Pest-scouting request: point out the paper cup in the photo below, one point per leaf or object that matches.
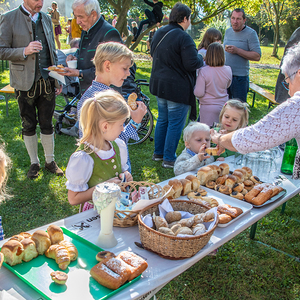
(72, 64)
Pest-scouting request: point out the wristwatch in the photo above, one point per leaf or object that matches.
(80, 74)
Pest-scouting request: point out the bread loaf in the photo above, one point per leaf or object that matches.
(167, 231)
(30, 251)
(177, 187)
(249, 172)
(239, 176)
(42, 241)
(169, 193)
(17, 237)
(132, 101)
(1, 259)
(205, 174)
(173, 216)
(55, 233)
(194, 180)
(13, 252)
(224, 169)
(186, 186)
(230, 181)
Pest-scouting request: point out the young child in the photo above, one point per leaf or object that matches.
(101, 156)
(196, 138)
(234, 115)
(5, 164)
(212, 83)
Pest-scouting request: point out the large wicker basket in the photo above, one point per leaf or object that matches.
(173, 247)
(130, 218)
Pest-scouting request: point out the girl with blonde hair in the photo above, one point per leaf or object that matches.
(101, 155)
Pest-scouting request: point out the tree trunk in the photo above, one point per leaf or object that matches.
(276, 37)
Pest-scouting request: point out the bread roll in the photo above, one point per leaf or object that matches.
(106, 277)
(60, 254)
(175, 227)
(138, 264)
(1, 259)
(173, 216)
(132, 101)
(209, 216)
(103, 255)
(199, 218)
(249, 172)
(167, 231)
(221, 180)
(59, 277)
(119, 267)
(230, 181)
(238, 187)
(42, 241)
(194, 180)
(71, 249)
(184, 230)
(177, 187)
(159, 221)
(13, 252)
(224, 218)
(239, 176)
(224, 169)
(30, 251)
(26, 235)
(55, 233)
(186, 186)
(17, 237)
(169, 193)
(205, 174)
(188, 222)
(199, 229)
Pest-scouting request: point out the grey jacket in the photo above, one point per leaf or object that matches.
(15, 34)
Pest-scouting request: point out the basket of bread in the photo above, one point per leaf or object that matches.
(126, 215)
(176, 229)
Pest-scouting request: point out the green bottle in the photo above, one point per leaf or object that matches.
(289, 157)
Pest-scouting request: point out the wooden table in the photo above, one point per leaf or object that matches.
(160, 271)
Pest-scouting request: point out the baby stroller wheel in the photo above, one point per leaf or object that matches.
(58, 127)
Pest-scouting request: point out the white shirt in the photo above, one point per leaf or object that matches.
(80, 167)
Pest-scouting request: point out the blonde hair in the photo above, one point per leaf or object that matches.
(192, 127)
(113, 52)
(5, 164)
(239, 105)
(107, 106)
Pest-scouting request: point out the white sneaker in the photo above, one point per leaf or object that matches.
(72, 131)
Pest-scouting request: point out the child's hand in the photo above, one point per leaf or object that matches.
(202, 154)
(221, 159)
(128, 176)
(138, 114)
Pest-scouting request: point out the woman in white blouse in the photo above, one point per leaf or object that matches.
(279, 126)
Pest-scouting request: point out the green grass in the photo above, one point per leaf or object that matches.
(242, 269)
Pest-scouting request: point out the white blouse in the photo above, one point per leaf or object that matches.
(80, 167)
(279, 126)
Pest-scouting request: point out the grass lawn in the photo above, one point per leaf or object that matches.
(242, 269)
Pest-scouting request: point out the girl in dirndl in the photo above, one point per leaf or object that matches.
(55, 20)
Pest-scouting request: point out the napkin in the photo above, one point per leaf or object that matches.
(4, 295)
(57, 76)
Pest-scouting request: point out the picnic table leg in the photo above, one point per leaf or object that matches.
(253, 99)
(253, 230)
(283, 208)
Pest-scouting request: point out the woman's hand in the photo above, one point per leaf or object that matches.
(215, 137)
(128, 176)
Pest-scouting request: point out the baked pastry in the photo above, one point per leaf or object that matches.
(248, 182)
(216, 171)
(119, 267)
(255, 179)
(132, 101)
(159, 221)
(249, 188)
(244, 172)
(184, 230)
(106, 277)
(1, 259)
(244, 192)
(224, 189)
(194, 195)
(276, 190)
(167, 231)
(71, 249)
(254, 192)
(249, 172)
(13, 252)
(173, 216)
(30, 251)
(177, 187)
(230, 181)
(60, 254)
(171, 193)
(199, 218)
(224, 218)
(221, 180)
(224, 169)
(199, 229)
(239, 176)
(104, 255)
(175, 227)
(59, 277)
(202, 202)
(17, 237)
(205, 174)
(238, 187)
(186, 186)
(228, 210)
(237, 195)
(188, 222)
(209, 216)
(138, 265)
(263, 196)
(213, 151)
(42, 241)
(55, 233)
(26, 235)
(202, 192)
(212, 201)
(210, 184)
(194, 180)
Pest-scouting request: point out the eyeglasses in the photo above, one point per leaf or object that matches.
(285, 84)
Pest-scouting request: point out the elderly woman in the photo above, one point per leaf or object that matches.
(173, 77)
(279, 126)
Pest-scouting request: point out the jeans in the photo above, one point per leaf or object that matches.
(150, 20)
(239, 88)
(170, 123)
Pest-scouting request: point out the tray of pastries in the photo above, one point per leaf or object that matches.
(53, 262)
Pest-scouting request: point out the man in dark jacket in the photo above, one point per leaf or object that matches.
(153, 17)
(173, 77)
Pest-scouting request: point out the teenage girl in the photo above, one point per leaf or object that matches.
(211, 35)
(234, 115)
(212, 83)
(101, 156)
(55, 20)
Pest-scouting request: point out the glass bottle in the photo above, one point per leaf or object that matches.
(289, 157)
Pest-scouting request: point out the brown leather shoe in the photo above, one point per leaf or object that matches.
(33, 171)
(53, 168)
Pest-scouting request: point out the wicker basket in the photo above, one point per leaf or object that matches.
(131, 217)
(173, 247)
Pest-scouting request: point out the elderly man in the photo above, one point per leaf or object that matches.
(27, 41)
(241, 45)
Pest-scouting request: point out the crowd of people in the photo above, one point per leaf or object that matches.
(218, 75)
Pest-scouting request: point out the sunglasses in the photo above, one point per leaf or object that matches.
(285, 84)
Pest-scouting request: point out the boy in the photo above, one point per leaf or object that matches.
(196, 138)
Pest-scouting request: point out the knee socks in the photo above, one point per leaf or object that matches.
(31, 144)
(47, 141)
